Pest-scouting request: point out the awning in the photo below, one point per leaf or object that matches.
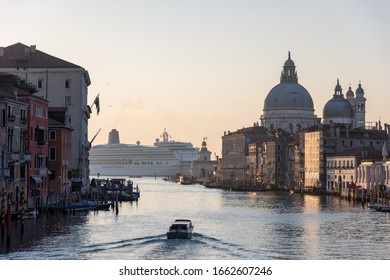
(37, 179)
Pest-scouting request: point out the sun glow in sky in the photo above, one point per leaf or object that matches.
(199, 68)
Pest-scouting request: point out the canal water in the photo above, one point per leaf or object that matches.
(228, 226)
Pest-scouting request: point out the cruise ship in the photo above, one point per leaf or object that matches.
(165, 158)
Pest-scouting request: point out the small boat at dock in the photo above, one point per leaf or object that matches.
(180, 229)
(83, 205)
(103, 205)
(380, 207)
(29, 214)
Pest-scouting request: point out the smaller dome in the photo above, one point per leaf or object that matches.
(349, 93)
(338, 107)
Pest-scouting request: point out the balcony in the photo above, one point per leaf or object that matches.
(11, 118)
(41, 172)
(19, 157)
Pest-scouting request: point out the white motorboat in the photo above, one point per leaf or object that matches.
(180, 229)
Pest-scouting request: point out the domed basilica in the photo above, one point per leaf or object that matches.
(288, 105)
(350, 110)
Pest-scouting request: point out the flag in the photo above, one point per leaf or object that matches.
(97, 104)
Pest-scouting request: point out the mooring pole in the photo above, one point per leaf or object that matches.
(2, 211)
(22, 214)
(9, 223)
(116, 202)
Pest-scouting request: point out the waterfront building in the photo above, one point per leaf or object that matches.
(15, 158)
(37, 147)
(60, 152)
(274, 159)
(253, 160)
(203, 169)
(370, 174)
(235, 165)
(288, 105)
(386, 165)
(63, 84)
(342, 169)
(327, 140)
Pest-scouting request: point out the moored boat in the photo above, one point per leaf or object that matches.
(82, 205)
(380, 207)
(29, 214)
(103, 205)
(180, 229)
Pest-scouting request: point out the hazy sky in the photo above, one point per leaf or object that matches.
(199, 68)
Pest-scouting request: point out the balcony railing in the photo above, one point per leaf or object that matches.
(42, 172)
(11, 118)
(19, 157)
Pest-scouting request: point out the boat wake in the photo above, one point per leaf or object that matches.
(156, 247)
(152, 247)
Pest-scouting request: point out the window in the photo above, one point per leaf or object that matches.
(52, 153)
(22, 172)
(10, 142)
(39, 111)
(68, 83)
(52, 135)
(68, 100)
(40, 135)
(40, 83)
(22, 140)
(52, 174)
(10, 113)
(39, 160)
(23, 117)
(3, 116)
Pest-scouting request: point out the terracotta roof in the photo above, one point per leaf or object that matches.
(22, 56)
(367, 152)
(8, 91)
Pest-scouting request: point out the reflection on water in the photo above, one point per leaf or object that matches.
(228, 225)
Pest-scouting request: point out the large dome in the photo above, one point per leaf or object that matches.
(288, 96)
(288, 105)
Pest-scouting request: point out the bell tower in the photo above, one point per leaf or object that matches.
(360, 107)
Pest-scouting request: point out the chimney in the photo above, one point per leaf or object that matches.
(1, 51)
(113, 137)
(33, 48)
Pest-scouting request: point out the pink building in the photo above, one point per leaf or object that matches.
(37, 147)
